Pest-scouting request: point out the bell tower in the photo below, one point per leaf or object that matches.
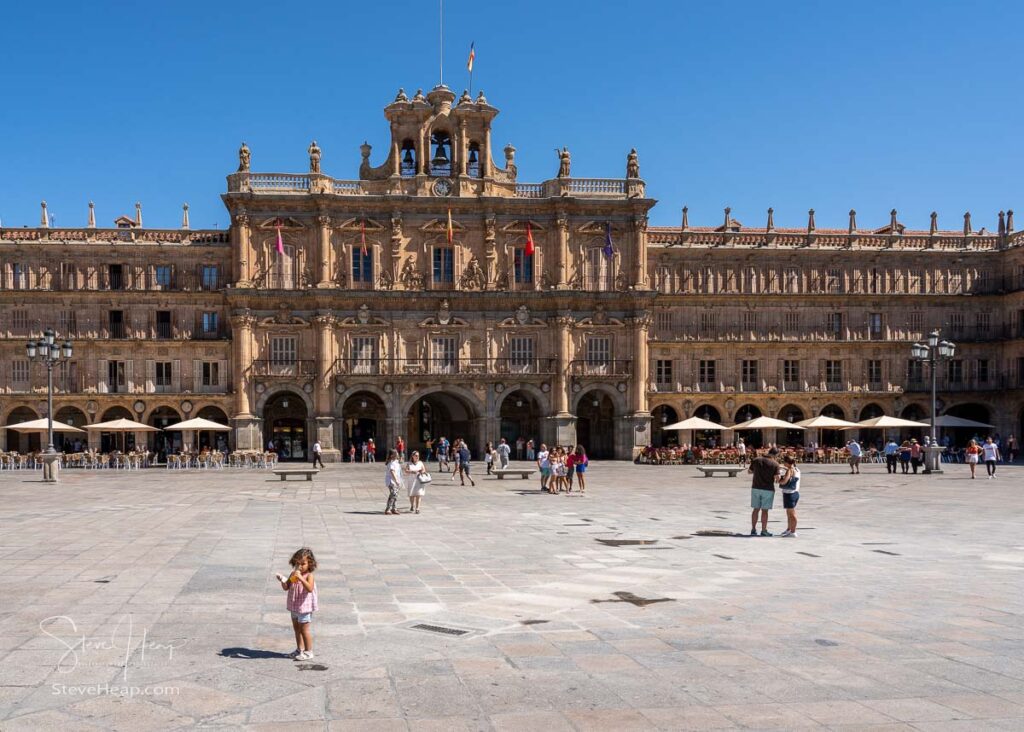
(441, 147)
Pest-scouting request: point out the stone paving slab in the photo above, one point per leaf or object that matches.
(146, 601)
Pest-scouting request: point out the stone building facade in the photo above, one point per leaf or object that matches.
(406, 303)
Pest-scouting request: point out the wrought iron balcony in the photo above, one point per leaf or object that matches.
(297, 369)
(599, 368)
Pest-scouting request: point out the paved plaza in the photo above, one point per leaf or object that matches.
(146, 601)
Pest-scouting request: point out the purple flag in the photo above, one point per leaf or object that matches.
(609, 248)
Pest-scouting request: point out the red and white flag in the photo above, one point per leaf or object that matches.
(529, 240)
(280, 241)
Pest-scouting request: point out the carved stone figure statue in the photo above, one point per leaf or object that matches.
(473, 277)
(243, 158)
(632, 165)
(400, 97)
(314, 157)
(563, 162)
(410, 278)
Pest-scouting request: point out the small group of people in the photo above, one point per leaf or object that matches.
(767, 473)
(413, 476)
(906, 455)
(559, 466)
(988, 451)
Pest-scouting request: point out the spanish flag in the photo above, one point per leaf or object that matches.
(280, 243)
(472, 55)
(451, 231)
(529, 240)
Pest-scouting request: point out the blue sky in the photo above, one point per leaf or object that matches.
(870, 105)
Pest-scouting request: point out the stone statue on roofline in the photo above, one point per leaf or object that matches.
(564, 160)
(632, 164)
(314, 157)
(244, 155)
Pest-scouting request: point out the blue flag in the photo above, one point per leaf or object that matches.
(609, 248)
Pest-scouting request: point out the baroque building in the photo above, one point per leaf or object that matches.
(436, 295)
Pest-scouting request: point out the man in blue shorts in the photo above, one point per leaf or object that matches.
(762, 489)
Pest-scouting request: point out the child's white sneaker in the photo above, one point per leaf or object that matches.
(295, 654)
(304, 656)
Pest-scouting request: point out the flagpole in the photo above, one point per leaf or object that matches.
(441, 44)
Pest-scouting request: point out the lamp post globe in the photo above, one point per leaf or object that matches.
(49, 352)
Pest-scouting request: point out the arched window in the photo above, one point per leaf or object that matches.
(283, 271)
(598, 273)
(408, 160)
(441, 157)
(362, 265)
(473, 163)
(444, 265)
(523, 266)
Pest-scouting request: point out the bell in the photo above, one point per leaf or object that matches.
(440, 158)
(407, 159)
(472, 156)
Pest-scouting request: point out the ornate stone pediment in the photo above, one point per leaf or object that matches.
(440, 226)
(443, 317)
(360, 224)
(521, 318)
(285, 222)
(597, 227)
(519, 226)
(599, 317)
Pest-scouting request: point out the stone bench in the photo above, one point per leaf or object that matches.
(285, 472)
(710, 470)
(523, 473)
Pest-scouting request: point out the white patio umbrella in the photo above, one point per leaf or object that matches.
(122, 425)
(693, 424)
(822, 422)
(197, 424)
(948, 420)
(767, 423)
(40, 425)
(885, 422)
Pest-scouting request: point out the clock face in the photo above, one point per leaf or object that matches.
(442, 187)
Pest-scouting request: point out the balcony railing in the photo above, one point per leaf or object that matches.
(590, 367)
(117, 330)
(539, 366)
(302, 368)
(995, 382)
(452, 366)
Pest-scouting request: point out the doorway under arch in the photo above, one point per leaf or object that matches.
(662, 415)
(704, 437)
(110, 441)
(210, 438)
(285, 423)
(595, 424)
(65, 441)
(791, 413)
(23, 442)
(162, 443)
(869, 437)
(833, 438)
(441, 414)
(364, 417)
(959, 436)
(520, 416)
(915, 413)
(752, 438)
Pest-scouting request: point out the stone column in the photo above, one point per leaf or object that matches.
(322, 395)
(564, 421)
(243, 257)
(562, 252)
(324, 278)
(639, 420)
(485, 154)
(247, 428)
(640, 252)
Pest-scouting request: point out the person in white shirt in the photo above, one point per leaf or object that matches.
(741, 449)
(544, 466)
(990, 452)
(392, 480)
(318, 454)
(414, 485)
(855, 454)
(504, 452)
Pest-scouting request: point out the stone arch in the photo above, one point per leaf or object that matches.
(275, 389)
(521, 411)
(22, 442)
(978, 411)
(363, 422)
(353, 389)
(465, 395)
(834, 411)
(74, 416)
(618, 399)
(663, 414)
(148, 414)
(442, 410)
(541, 398)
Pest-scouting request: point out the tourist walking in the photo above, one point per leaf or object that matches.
(416, 479)
(400, 446)
(371, 451)
(789, 484)
(317, 454)
(741, 451)
(463, 459)
(580, 463)
(504, 451)
(488, 457)
(990, 453)
(915, 455)
(892, 450)
(530, 450)
(762, 489)
(1011, 449)
(392, 480)
(442, 454)
(854, 448)
(302, 601)
(544, 466)
(457, 472)
(520, 444)
(904, 456)
(972, 452)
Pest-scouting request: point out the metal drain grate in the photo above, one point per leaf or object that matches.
(439, 629)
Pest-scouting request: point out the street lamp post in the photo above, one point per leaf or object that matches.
(50, 353)
(932, 353)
